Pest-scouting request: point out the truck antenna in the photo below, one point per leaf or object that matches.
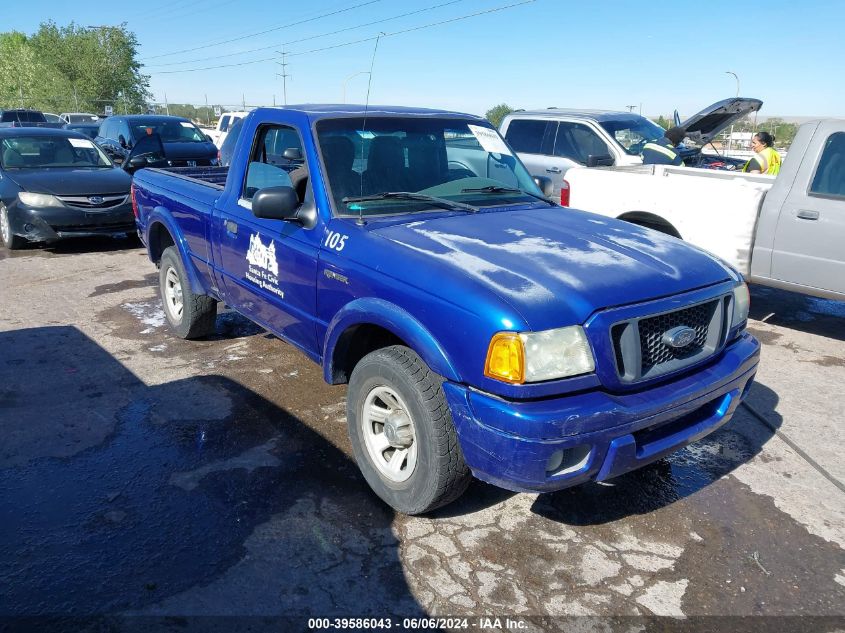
(360, 220)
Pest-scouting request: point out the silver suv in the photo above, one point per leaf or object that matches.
(551, 141)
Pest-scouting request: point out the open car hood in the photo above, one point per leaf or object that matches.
(705, 125)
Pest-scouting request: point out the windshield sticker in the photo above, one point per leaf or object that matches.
(489, 139)
(81, 142)
(190, 126)
(263, 269)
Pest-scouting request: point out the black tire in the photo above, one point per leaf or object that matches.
(441, 474)
(13, 242)
(199, 312)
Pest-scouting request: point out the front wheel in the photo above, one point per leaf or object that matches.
(402, 432)
(191, 315)
(13, 242)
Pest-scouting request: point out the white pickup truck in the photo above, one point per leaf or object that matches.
(224, 124)
(786, 231)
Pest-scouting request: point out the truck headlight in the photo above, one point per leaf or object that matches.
(38, 199)
(742, 303)
(518, 357)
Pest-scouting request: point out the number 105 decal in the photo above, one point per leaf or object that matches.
(335, 241)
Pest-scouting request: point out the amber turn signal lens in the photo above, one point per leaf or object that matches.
(506, 358)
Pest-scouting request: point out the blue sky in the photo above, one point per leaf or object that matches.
(610, 54)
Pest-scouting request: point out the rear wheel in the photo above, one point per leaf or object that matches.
(402, 432)
(13, 242)
(191, 315)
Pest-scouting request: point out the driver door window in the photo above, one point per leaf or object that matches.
(268, 166)
(577, 141)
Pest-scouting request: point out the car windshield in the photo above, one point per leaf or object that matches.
(81, 117)
(26, 152)
(170, 130)
(88, 130)
(463, 161)
(633, 134)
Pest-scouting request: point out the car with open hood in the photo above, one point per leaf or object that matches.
(552, 141)
(186, 144)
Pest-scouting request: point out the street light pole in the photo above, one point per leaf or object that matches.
(363, 72)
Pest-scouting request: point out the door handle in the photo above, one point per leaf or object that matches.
(808, 214)
(553, 170)
(231, 227)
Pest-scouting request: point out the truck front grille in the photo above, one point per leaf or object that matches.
(642, 347)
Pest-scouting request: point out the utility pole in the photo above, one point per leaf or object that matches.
(166, 106)
(630, 108)
(207, 118)
(20, 86)
(284, 74)
(243, 101)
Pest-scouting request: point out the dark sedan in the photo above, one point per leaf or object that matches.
(56, 184)
(185, 144)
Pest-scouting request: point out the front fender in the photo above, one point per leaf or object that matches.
(160, 215)
(372, 311)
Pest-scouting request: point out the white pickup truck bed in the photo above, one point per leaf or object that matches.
(719, 208)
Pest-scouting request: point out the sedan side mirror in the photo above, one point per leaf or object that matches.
(275, 203)
(135, 163)
(292, 153)
(545, 185)
(600, 160)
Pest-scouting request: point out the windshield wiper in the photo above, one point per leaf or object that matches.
(500, 189)
(407, 195)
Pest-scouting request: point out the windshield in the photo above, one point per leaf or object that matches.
(23, 116)
(437, 157)
(81, 117)
(26, 152)
(170, 131)
(632, 135)
(88, 130)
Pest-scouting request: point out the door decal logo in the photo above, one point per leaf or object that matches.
(263, 269)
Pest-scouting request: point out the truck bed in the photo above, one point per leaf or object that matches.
(210, 176)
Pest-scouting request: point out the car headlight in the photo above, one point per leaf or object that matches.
(518, 357)
(38, 199)
(742, 303)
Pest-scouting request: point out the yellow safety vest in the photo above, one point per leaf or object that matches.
(671, 155)
(769, 159)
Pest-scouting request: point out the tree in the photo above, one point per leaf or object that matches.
(663, 122)
(497, 113)
(72, 68)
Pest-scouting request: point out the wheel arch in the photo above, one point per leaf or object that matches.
(368, 324)
(163, 232)
(651, 221)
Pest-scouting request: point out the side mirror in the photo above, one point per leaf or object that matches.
(275, 203)
(600, 160)
(135, 163)
(545, 185)
(208, 138)
(292, 153)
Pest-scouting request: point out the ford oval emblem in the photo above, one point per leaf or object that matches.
(95, 199)
(679, 337)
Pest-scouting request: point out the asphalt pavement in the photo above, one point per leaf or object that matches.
(144, 475)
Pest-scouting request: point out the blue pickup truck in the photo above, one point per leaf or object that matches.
(482, 330)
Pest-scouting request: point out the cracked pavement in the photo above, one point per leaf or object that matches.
(143, 474)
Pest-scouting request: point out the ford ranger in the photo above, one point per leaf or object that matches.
(482, 330)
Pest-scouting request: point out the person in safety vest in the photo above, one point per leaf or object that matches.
(663, 151)
(766, 160)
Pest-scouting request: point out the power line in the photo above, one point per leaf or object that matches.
(367, 39)
(314, 37)
(276, 28)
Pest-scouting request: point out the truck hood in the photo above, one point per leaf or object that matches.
(705, 125)
(557, 266)
(72, 182)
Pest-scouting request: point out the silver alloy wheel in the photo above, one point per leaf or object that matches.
(5, 229)
(389, 434)
(173, 294)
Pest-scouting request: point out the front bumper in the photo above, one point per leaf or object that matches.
(54, 223)
(549, 444)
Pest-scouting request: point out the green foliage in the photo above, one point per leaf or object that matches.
(497, 113)
(663, 122)
(72, 68)
(199, 114)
